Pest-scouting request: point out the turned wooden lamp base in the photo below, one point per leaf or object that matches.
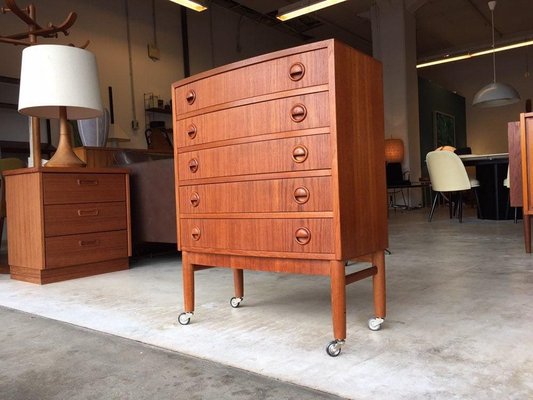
(64, 155)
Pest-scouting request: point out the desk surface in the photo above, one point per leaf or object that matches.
(484, 157)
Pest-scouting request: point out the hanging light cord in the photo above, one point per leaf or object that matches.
(493, 46)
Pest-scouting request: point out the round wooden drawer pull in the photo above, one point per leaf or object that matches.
(195, 199)
(196, 233)
(191, 131)
(301, 195)
(302, 236)
(190, 96)
(298, 112)
(193, 165)
(297, 71)
(300, 153)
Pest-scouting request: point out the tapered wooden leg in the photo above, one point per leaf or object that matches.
(188, 283)
(378, 282)
(338, 299)
(238, 282)
(527, 232)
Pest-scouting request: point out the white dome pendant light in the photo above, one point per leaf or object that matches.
(495, 94)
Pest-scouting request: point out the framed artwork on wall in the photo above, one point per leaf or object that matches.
(443, 129)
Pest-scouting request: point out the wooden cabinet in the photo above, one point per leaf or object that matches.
(279, 166)
(66, 223)
(526, 153)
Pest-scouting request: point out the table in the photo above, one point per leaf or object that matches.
(491, 170)
(392, 190)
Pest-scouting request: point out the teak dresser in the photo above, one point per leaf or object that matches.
(279, 163)
(66, 223)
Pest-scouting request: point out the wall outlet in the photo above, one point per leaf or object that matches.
(153, 52)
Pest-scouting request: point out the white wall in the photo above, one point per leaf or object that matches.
(103, 22)
(486, 128)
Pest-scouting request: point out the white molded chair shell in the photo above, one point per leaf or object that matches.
(507, 181)
(447, 172)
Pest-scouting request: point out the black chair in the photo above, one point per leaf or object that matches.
(396, 182)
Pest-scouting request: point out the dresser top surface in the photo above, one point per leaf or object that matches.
(71, 170)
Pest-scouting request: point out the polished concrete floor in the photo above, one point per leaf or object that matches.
(459, 323)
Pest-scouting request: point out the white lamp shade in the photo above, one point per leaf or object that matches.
(52, 76)
(495, 94)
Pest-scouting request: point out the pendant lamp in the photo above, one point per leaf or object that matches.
(495, 94)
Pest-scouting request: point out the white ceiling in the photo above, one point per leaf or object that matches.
(442, 26)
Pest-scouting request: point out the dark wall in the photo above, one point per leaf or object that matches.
(434, 99)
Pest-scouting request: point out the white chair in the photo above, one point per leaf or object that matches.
(448, 175)
(507, 184)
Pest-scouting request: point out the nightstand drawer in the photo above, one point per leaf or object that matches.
(275, 195)
(286, 73)
(62, 251)
(283, 115)
(269, 156)
(68, 219)
(68, 188)
(255, 234)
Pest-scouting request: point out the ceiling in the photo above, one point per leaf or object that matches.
(442, 26)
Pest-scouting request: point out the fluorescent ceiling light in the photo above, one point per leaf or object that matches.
(304, 7)
(476, 54)
(193, 5)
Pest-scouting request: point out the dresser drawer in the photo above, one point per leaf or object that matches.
(62, 251)
(289, 114)
(68, 219)
(274, 235)
(286, 73)
(290, 154)
(67, 188)
(275, 195)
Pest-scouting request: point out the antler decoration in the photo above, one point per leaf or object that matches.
(27, 15)
(28, 38)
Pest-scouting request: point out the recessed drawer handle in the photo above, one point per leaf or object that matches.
(190, 96)
(196, 233)
(298, 112)
(297, 71)
(195, 199)
(93, 212)
(193, 165)
(301, 195)
(86, 243)
(302, 236)
(300, 153)
(87, 182)
(191, 131)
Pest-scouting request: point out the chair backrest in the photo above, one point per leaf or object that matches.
(446, 172)
(395, 175)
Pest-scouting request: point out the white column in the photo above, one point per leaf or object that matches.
(394, 44)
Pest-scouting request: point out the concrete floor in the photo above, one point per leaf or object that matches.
(459, 324)
(45, 359)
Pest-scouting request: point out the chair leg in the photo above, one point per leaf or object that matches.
(433, 207)
(515, 215)
(460, 206)
(479, 214)
(450, 205)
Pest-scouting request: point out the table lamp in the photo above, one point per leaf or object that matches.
(60, 82)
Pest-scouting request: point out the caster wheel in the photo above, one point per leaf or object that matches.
(235, 301)
(334, 348)
(184, 318)
(374, 324)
